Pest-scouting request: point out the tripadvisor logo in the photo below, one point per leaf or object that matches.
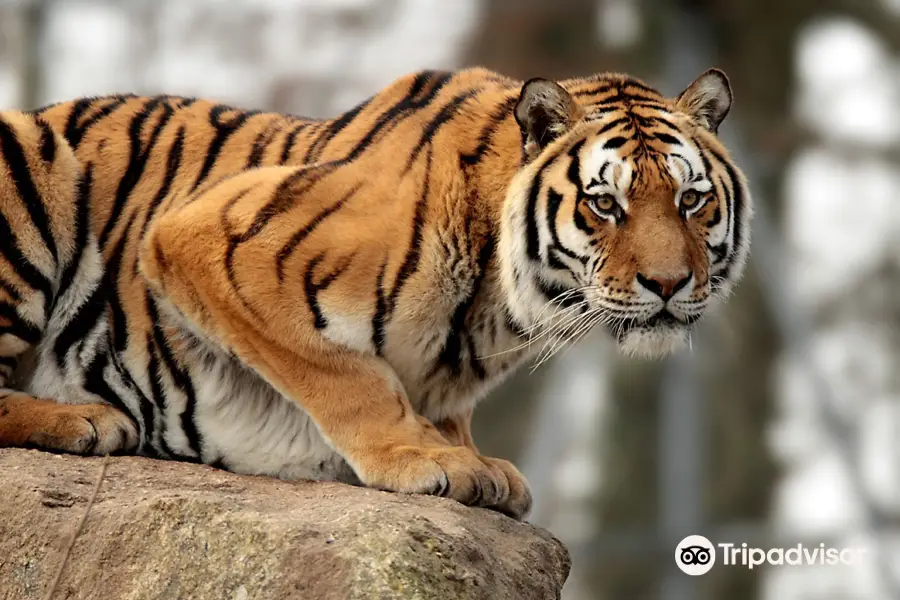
(696, 555)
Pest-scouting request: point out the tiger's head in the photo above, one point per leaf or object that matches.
(628, 212)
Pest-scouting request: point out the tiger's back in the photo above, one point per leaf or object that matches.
(139, 159)
(205, 283)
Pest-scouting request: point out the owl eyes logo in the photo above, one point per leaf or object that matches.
(695, 555)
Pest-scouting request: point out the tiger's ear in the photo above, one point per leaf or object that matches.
(544, 112)
(708, 99)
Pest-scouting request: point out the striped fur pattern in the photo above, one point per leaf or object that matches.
(329, 299)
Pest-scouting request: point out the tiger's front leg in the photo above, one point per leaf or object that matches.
(458, 431)
(354, 398)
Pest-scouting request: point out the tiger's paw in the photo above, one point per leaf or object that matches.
(450, 471)
(518, 502)
(86, 429)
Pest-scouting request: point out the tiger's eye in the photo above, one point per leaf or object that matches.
(690, 199)
(604, 203)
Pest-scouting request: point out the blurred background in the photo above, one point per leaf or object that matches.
(780, 426)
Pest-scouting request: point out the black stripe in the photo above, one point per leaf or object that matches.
(112, 272)
(156, 394)
(485, 138)
(617, 101)
(43, 109)
(601, 176)
(283, 199)
(738, 199)
(84, 321)
(651, 122)
(172, 163)
(719, 183)
(380, 315)
(286, 196)
(613, 124)
(445, 114)
(233, 240)
(602, 88)
(404, 108)
(10, 250)
(715, 219)
(82, 215)
(532, 236)
(554, 199)
(76, 131)
(312, 289)
(333, 129)
(451, 352)
(393, 117)
(581, 223)
(181, 379)
(288, 249)
(476, 364)
(686, 162)
(224, 130)
(615, 142)
(96, 384)
(148, 425)
(667, 139)
(289, 141)
(137, 161)
(18, 327)
(8, 289)
(154, 370)
(48, 141)
(532, 239)
(573, 174)
(260, 145)
(28, 192)
(411, 260)
(719, 251)
(707, 167)
(641, 86)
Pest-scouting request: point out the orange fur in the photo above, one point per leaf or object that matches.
(383, 270)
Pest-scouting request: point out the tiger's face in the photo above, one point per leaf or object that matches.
(628, 214)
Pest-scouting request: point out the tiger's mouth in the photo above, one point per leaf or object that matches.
(664, 318)
(655, 337)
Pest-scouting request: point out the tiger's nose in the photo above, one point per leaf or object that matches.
(664, 287)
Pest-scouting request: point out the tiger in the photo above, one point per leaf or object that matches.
(329, 299)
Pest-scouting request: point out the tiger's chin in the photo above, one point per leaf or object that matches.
(653, 340)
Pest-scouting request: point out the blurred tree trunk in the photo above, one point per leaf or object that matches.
(34, 17)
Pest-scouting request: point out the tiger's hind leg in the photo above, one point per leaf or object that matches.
(42, 240)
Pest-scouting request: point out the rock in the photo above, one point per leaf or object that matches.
(167, 530)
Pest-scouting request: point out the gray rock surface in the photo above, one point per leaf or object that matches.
(166, 530)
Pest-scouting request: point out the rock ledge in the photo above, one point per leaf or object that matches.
(166, 530)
